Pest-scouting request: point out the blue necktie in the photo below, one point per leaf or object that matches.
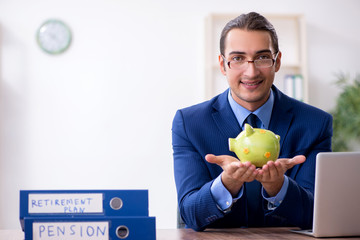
(252, 189)
(252, 120)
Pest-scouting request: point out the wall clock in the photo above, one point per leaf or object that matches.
(54, 36)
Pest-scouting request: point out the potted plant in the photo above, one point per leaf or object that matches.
(346, 115)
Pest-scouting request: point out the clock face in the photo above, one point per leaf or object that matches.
(54, 36)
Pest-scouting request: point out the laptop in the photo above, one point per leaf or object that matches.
(337, 195)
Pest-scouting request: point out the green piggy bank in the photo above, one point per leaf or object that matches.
(255, 145)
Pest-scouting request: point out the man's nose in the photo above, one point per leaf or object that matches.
(251, 69)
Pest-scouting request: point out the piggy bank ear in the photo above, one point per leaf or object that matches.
(248, 130)
(278, 137)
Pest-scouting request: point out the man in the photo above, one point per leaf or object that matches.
(215, 189)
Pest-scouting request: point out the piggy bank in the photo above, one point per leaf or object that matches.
(255, 145)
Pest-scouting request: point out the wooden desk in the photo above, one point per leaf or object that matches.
(211, 234)
(233, 234)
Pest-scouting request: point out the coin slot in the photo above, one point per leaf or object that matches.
(122, 232)
(116, 203)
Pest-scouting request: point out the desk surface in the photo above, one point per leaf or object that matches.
(232, 234)
(211, 234)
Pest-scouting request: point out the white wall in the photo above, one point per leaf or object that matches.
(99, 116)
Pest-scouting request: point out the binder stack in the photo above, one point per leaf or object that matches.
(86, 214)
(293, 86)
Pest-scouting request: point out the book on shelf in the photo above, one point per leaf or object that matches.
(293, 86)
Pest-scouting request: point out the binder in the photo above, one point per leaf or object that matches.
(293, 86)
(289, 86)
(298, 79)
(80, 203)
(97, 228)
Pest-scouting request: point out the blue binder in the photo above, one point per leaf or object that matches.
(80, 203)
(99, 228)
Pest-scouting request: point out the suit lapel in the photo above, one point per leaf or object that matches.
(281, 116)
(224, 116)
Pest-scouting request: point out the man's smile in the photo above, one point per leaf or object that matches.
(252, 84)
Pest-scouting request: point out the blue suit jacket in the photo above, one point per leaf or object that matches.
(206, 127)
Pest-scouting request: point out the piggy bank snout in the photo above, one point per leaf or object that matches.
(232, 144)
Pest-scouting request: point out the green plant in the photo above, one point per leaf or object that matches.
(346, 115)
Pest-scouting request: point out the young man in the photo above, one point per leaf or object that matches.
(215, 189)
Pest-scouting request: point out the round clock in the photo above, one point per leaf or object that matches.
(54, 36)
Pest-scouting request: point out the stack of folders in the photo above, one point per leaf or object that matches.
(86, 214)
(293, 86)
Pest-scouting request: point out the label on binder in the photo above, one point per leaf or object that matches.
(66, 203)
(70, 230)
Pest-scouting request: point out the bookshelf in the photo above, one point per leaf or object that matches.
(291, 78)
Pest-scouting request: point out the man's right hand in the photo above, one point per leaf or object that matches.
(235, 173)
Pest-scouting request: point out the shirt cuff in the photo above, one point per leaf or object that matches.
(274, 202)
(222, 196)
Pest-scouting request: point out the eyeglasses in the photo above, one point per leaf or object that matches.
(263, 61)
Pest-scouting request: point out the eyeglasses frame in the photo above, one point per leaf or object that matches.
(253, 61)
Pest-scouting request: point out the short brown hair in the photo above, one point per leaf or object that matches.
(252, 21)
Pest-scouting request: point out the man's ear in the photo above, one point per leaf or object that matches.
(222, 65)
(278, 62)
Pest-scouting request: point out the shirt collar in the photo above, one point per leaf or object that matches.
(263, 112)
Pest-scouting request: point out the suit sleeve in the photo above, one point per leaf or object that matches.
(196, 204)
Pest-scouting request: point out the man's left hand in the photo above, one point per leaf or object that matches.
(272, 173)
